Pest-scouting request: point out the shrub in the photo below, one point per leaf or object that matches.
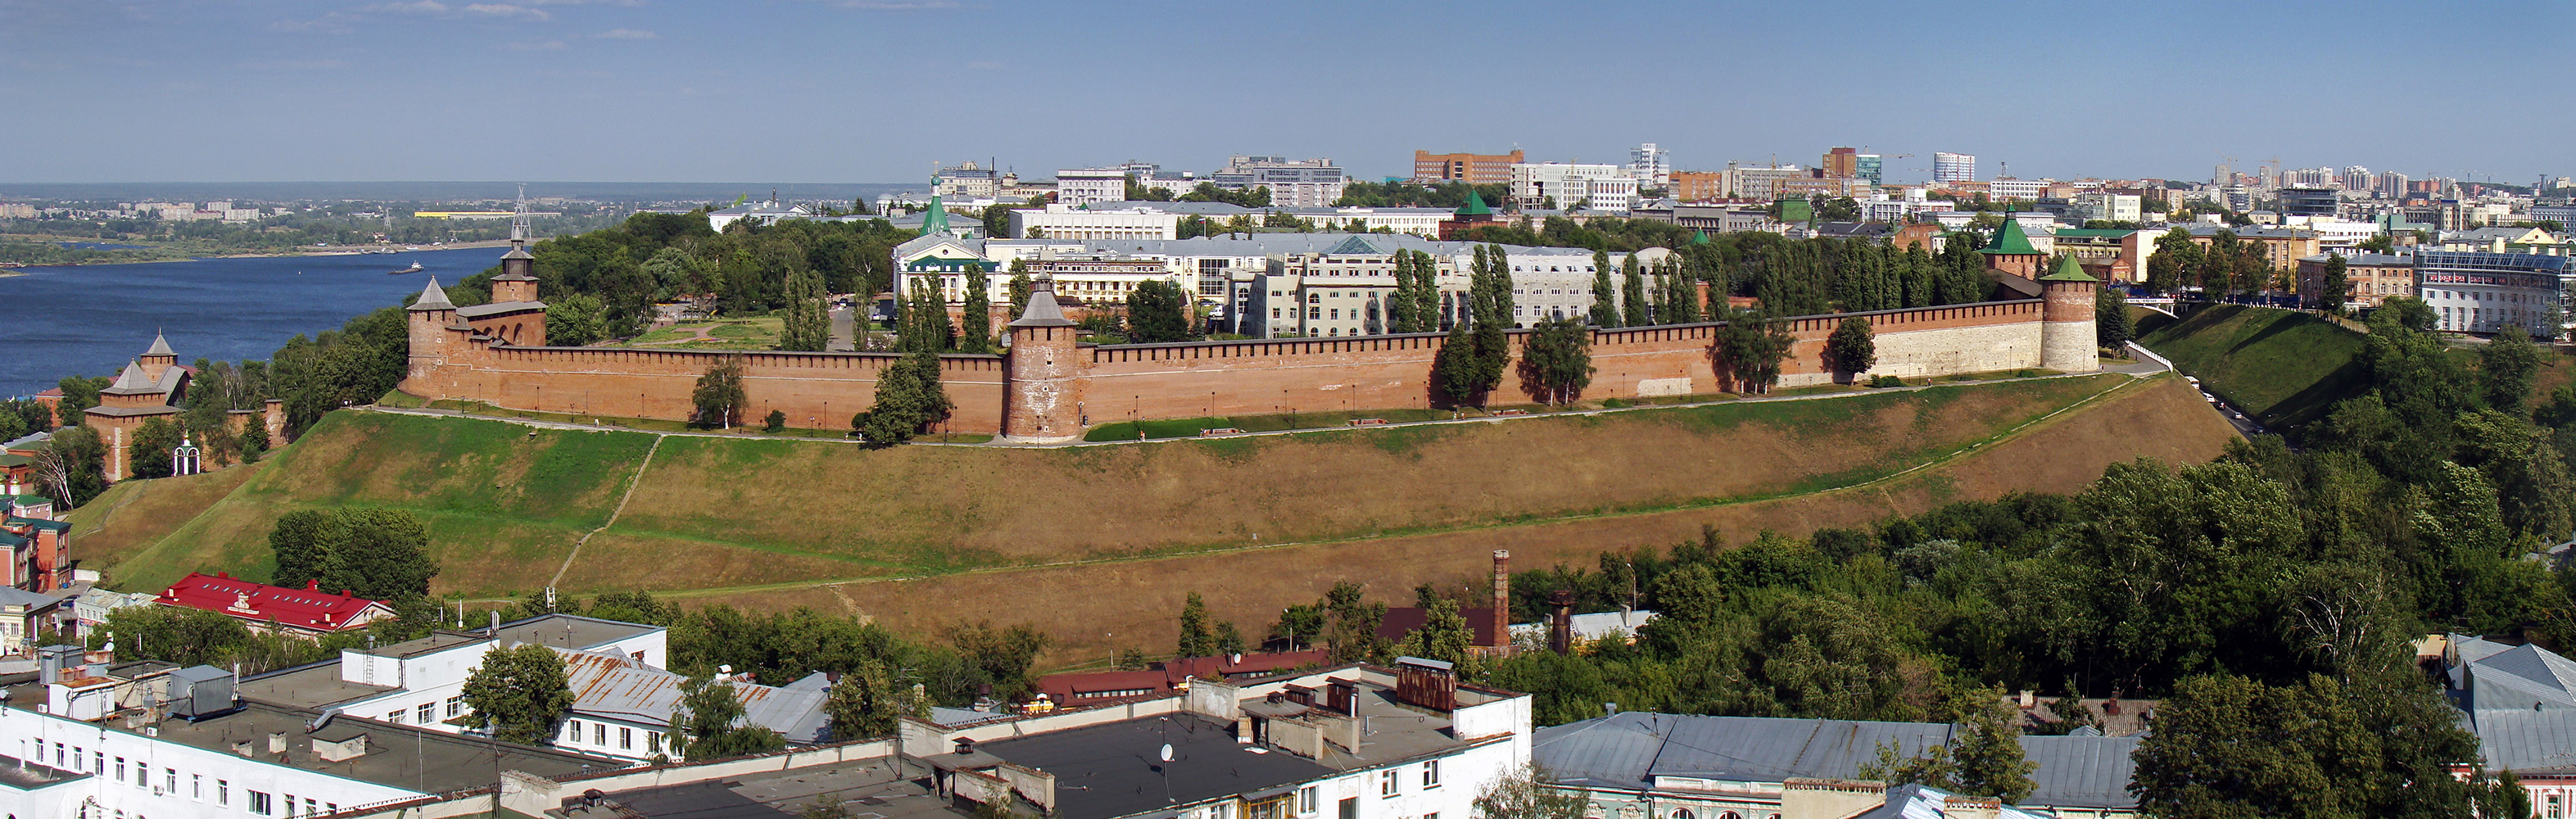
(775, 423)
(1886, 381)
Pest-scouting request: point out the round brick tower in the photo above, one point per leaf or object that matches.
(2066, 339)
(1042, 396)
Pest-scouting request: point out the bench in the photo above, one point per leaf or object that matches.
(1368, 422)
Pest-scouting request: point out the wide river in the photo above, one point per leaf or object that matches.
(90, 320)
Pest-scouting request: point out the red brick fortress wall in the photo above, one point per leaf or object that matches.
(815, 390)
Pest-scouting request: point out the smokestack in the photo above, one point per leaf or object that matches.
(1560, 633)
(495, 630)
(1502, 597)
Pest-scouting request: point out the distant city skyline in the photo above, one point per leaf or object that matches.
(880, 91)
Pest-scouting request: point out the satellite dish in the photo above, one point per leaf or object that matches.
(1167, 752)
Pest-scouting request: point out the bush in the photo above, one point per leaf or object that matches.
(1886, 381)
(775, 423)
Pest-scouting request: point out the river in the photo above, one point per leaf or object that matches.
(92, 319)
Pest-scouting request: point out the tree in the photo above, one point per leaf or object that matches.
(1605, 300)
(924, 323)
(302, 543)
(518, 693)
(978, 332)
(1529, 793)
(2175, 261)
(2505, 368)
(718, 397)
(1157, 312)
(574, 320)
(867, 700)
(1020, 286)
(1850, 349)
(1557, 363)
(1003, 655)
(2337, 286)
(909, 398)
(1752, 347)
(997, 219)
(1989, 755)
(149, 456)
(1632, 293)
(1350, 631)
(71, 467)
(382, 555)
(807, 327)
(2111, 324)
(708, 724)
(2227, 746)
(1196, 641)
(1229, 640)
(1444, 634)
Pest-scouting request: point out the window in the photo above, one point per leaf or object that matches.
(170, 781)
(395, 717)
(223, 792)
(599, 733)
(653, 741)
(287, 803)
(97, 762)
(1681, 813)
(1387, 784)
(1431, 774)
(120, 769)
(259, 805)
(309, 806)
(572, 731)
(427, 713)
(625, 738)
(1306, 799)
(196, 786)
(455, 707)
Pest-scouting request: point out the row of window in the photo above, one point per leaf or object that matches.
(625, 736)
(139, 774)
(428, 712)
(1390, 782)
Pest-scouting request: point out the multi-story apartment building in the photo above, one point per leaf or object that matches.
(1650, 165)
(1474, 169)
(2115, 207)
(1697, 186)
(1083, 186)
(1305, 183)
(2388, 185)
(2283, 247)
(1759, 183)
(967, 181)
(1839, 162)
(2374, 277)
(2008, 189)
(1948, 167)
(1599, 187)
(2473, 292)
(1064, 221)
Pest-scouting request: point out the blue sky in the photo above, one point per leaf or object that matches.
(878, 90)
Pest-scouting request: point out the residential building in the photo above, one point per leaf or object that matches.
(2517, 699)
(2001, 190)
(2373, 277)
(1078, 689)
(1417, 221)
(308, 612)
(2112, 255)
(1681, 765)
(1651, 166)
(2473, 292)
(2505, 240)
(2283, 247)
(1306, 183)
(1840, 162)
(1598, 187)
(1079, 187)
(1064, 221)
(2388, 185)
(1474, 169)
(1948, 167)
(90, 737)
(1698, 186)
(1806, 186)
(38, 554)
(2564, 215)
(2114, 207)
(1758, 183)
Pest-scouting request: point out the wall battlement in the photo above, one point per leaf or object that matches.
(1049, 387)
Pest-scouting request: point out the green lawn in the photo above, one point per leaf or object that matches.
(2282, 367)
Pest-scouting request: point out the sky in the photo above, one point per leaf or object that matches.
(881, 90)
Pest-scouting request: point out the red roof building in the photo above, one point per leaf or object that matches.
(1094, 687)
(308, 611)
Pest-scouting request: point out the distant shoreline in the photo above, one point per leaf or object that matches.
(344, 250)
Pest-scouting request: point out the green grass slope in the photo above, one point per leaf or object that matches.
(2282, 367)
(506, 504)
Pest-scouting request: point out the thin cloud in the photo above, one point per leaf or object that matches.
(421, 7)
(507, 10)
(538, 45)
(899, 5)
(628, 34)
(332, 23)
(294, 65)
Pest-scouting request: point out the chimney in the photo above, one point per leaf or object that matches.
(277, 742)
(965, 745)
(1560, 633)
(1502, 597)
(495, 630)
(313, 585)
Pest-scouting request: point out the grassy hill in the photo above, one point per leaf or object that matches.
(2282, 367)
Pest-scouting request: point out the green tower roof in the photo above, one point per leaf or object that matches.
(936, 219)
(2068, 270)
(1699, 237)
(2010, 241)
(1475, 206)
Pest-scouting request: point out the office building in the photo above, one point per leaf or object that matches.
(1474, 169)
(966, 181)
(1948, 167)
(1064, 221)
(1759, 183)
(1697, 186)
(2309, 200)
(1841, 162)
(1870, 167)
(1084, 186)
(1598, 187)
(1305, 183)
(2473, 292)
(1650, 165)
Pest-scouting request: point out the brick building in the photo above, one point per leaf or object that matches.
(2374, 277)
(1473, 169)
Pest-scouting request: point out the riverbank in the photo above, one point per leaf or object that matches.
(185, 254)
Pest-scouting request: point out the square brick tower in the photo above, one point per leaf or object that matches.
(1046, 370)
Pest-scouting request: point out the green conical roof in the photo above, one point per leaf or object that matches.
(1475, 206)
(936, 220)
(1699, 237)
(2068, 270)
(2010, 241)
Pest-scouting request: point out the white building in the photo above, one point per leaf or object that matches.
(2473, 292)
(1598, 187)
(1758, 183)
(1305, 183)
(2003, 189)
(1650, 165)
(1948, 167)
(1084, 186)
(1063, 221)
(2117, 207)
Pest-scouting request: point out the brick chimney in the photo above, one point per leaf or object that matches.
(1502, 597)
(1560, 633)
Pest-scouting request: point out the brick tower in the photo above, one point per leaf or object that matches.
(2010, 251)
(1042, 398)
(518, 281)
(2066, 338)
(159, 359)
(428, 320)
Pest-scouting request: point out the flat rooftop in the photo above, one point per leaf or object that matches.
(312, 686)
(20, 774)
(569, 631)
(397, 756)
(1396, 731)
(436, 641)
(1114, 769)
(871, 789)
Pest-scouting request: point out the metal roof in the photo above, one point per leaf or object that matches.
(432, 298)
(1628, 750)
(621, 687)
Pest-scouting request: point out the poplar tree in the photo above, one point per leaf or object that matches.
(1196, 640)
(1426, 293)
(807, 327)
(1605, 306)
(1632, 293)
(979, 312)
(1558, 363)
(1020, 286)
(1919, 288)
(925, 318)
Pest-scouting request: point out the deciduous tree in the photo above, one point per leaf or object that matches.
(1557, 362)
(1850, 348)
(518, 693)
(708, 724)
(718, 397)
